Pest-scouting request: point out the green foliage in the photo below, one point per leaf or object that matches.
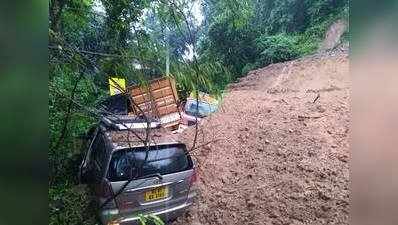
(277, 48)
(273, 30)
(150, 219)
(70, 204)
(280, 16)
(236, 13)
(232, 47)
(63, 156)
(249, 67)
(212, 78)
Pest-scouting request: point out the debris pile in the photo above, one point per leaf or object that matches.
(277, 157)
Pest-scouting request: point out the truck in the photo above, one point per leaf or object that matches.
(158, 100)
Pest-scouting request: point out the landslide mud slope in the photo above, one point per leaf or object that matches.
(276, 156)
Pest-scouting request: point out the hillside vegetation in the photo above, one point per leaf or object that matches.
(249, 35)
(89, 41)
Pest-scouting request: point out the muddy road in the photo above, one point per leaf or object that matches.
(279, 150)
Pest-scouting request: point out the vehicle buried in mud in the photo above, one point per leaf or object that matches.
(194, 109)
(130, 178)
(167, 108)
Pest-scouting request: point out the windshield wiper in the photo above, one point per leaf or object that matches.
(158, 175)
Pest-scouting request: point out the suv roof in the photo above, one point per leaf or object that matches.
(120, 139)
(125, 122)
(131, 131)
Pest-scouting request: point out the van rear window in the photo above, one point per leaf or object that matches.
(164, 159)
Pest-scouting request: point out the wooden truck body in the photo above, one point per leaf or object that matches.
(158, 100)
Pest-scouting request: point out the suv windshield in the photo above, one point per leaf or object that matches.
(164, 159)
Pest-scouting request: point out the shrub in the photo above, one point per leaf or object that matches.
(249, 67)
(307, 44)
(277, 48)
(70, 204)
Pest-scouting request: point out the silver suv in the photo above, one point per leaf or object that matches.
(130, 178)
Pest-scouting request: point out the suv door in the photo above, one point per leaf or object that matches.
(98, 163)
(85, 173)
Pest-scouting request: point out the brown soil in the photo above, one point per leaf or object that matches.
(332, 37)
(275, 156)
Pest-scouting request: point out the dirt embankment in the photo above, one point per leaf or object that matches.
(333, 35)
(282, 151)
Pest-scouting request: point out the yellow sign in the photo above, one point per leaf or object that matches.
(117, 85)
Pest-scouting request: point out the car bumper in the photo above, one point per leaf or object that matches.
(166, 214)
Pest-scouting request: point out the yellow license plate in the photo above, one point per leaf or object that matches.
(156, 193)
